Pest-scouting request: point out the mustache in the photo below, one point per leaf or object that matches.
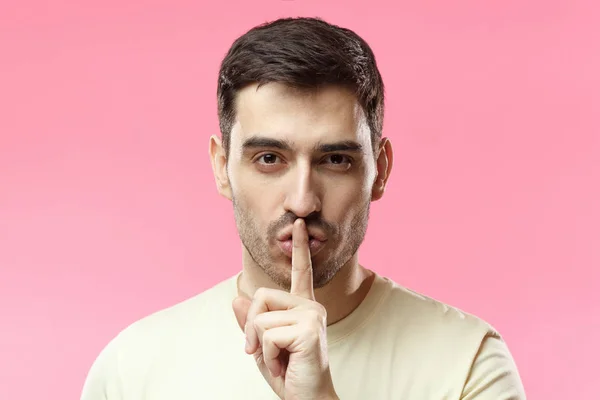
(312, 220)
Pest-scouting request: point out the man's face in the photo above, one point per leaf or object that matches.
(300, 154)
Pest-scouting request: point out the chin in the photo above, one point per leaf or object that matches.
(280, 272)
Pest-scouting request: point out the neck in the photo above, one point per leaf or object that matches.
(340, 296)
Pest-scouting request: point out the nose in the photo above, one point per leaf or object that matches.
(303, 197)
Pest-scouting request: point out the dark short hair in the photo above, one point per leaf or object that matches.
(302, 53)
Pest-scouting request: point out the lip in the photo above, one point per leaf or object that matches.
(312, 234)
(287, 246)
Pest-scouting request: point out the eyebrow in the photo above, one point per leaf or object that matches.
(256, 142)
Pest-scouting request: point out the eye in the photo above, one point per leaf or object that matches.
(338, 159)
(268, 158)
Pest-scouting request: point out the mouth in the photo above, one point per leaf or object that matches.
(313, 234)
(314, 244)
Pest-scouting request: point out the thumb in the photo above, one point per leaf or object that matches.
(241, 305)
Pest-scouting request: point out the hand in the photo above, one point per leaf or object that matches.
(287, 332)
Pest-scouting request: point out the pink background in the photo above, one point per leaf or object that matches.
(108, 209)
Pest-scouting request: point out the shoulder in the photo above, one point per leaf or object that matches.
(188, 314)
(454, 340)
(427, 314)
(432, 316)
(430, 330)
(145, 341)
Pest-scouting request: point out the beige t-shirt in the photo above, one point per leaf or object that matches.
(397, 344)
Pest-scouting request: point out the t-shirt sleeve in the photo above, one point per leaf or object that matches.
(494, 374)
(102, 381)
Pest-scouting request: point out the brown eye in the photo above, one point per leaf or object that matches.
(268, 158)
(338, 159)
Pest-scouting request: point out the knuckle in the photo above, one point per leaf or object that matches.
(261, 294)
(320, 312)
(322, 309)
(315, 315)
(316, 318)
(258, 320)
(311, 334)
(267, 338)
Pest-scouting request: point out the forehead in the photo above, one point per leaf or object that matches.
(300, 116)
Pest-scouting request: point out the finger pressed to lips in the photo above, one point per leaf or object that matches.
(287, 247)
(302, 278)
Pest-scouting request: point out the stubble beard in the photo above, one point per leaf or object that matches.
(258, 247)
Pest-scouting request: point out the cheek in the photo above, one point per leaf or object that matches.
(259, 205)
(343, 204)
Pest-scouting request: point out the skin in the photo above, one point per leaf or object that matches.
(281, 178)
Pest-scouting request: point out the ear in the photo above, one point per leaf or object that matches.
(218, 159)
(385, 161)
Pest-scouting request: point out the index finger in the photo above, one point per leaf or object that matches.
(302, 274)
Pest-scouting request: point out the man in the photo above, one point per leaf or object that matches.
(301, 158)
